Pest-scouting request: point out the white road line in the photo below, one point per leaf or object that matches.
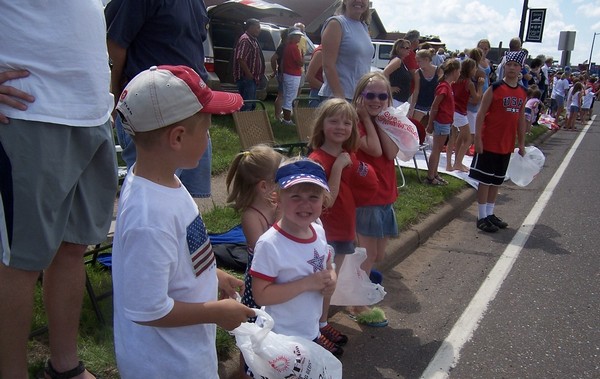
(448, 354)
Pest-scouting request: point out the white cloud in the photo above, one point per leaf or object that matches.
(461, 23)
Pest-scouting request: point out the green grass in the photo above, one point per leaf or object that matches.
(96, 347)
(226, 143)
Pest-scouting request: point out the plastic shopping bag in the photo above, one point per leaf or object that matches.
(401, 130)
(522, 170)
(275, 356)
(353, 284)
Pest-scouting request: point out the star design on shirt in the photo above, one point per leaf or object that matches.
(317, 261)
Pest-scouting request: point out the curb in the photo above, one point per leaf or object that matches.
(416, 235)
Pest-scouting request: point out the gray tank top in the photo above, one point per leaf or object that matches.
(354, 56)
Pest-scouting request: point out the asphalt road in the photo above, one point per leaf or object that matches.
(540, 319)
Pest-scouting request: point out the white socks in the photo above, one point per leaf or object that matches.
(490, 208)
(485, 210)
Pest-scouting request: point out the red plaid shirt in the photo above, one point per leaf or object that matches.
(250, 52)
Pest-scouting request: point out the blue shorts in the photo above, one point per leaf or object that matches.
(560, 101)
(342, 247)
(377, 221)
(574, 109)
(440, 129)
(423, 108)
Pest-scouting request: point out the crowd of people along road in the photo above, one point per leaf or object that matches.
(164, 271)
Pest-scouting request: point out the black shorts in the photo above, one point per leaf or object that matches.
(489, 168)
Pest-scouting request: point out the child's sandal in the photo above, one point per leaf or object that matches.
(433, 181)
(53, 374)
(441, 180)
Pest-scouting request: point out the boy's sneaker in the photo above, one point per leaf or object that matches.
(497, 221)
(486, 225)
(333, 348)
(334, 335)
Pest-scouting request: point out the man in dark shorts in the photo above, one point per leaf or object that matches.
(58, 173)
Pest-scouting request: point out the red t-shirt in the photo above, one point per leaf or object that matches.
(411, 61)
(460, 88)
(445, 114)
(386, 174)
(502, 118)
(357, 185)
(291, 57)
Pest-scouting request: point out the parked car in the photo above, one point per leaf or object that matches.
(227, 25)
(382, 53)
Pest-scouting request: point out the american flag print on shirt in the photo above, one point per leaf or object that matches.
(201, 251)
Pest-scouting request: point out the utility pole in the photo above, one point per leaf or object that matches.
(523, 16)
(591, 51)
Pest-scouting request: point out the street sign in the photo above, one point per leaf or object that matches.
(535, 25)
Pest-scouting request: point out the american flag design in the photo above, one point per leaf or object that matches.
(363, 169)
(317, 261)
(201, 251)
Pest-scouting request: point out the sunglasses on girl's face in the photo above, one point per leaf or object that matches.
(373, 95)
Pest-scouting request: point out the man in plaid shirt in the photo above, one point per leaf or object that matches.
(249, 63)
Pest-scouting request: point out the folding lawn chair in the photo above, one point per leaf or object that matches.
(304, 117)
(253, 128)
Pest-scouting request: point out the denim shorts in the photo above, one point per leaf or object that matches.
(342, 247)
(423, 108)
(440, 129)
(377, 221)
(574, 109)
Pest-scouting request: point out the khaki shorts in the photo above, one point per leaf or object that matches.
(57, 183)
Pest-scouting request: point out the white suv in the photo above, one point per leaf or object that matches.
(382, 53)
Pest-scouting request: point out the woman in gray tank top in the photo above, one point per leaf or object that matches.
(347, 49)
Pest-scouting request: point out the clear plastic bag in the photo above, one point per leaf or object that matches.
(522, 169)
(274, 356)
(353, 284)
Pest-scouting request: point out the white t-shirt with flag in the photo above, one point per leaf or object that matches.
(161, 253)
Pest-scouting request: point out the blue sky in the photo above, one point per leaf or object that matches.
(461, 23)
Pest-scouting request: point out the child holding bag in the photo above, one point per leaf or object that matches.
(292, 270)
(335, 141)
(375, 219)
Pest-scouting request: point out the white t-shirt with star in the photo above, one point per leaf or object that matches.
(282, 258)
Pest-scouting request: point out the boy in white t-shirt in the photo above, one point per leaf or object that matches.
(164, 272)
(291, 269)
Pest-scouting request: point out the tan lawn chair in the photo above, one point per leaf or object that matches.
(253, 127)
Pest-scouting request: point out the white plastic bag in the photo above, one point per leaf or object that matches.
(401, 130)
(353, 284)
(275, 356)
(522, 170)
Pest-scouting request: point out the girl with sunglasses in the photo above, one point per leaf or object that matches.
(441, 117)
(375, 220)
(398, 74)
